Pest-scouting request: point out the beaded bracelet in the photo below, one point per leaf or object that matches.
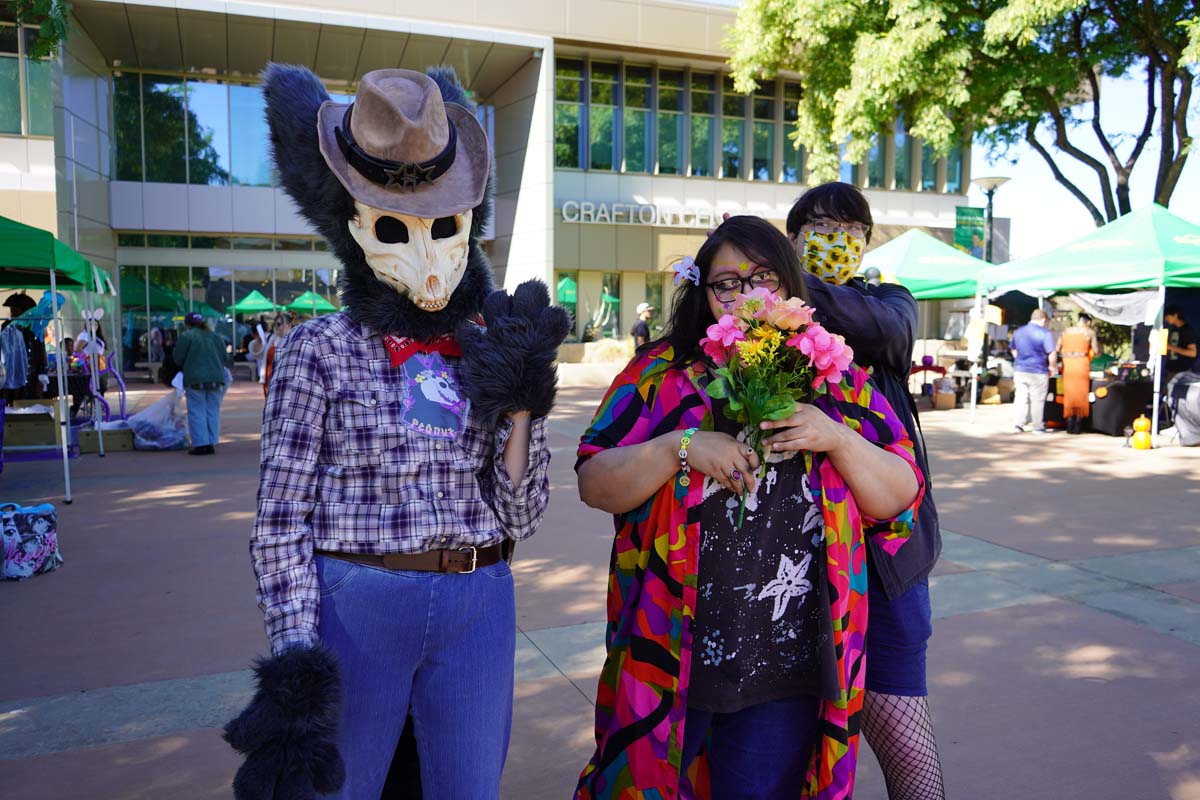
(684, 467)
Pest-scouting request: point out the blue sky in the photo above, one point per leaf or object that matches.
(1044, 214)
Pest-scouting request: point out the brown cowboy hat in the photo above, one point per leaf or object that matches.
(400, 148)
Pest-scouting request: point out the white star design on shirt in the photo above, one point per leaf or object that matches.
(789, 582)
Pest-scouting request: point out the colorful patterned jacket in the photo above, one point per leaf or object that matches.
(642, 698)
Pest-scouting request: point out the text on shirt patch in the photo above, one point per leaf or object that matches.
(433, 404)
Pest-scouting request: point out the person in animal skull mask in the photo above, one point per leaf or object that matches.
(403, 449)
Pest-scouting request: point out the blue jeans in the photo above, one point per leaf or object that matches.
(440, 647)
(204, 415)
(758, 753)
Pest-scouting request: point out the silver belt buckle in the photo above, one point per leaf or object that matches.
(474, 559)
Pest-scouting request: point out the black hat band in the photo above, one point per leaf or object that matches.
(404, 174)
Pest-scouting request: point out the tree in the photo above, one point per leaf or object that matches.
(1009, 70)
(51, 17)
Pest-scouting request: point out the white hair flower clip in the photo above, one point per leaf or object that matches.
(687, 270)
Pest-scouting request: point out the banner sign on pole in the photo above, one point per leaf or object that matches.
(969, 230)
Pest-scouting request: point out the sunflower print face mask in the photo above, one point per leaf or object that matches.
(832, 257)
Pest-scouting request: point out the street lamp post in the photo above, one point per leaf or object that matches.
(989, 187)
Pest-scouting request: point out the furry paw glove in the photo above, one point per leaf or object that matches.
(287, 731)
(509, 366)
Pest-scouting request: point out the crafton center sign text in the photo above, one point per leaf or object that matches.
(641, 214)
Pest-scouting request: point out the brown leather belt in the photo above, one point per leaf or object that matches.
(463, 560)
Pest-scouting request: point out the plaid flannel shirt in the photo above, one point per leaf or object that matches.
(341, 471)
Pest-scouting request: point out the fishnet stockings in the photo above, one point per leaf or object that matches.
(900, 733)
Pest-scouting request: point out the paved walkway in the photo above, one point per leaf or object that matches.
(1064, 662)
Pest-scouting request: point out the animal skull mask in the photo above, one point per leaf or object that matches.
(421, 258)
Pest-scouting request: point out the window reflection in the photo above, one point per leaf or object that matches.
(38, 92)
(250, 160)
(10, 81)
(127, 125)
(208, 133)
(954, 171)
(164, 118)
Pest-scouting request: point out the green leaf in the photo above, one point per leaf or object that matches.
(781, 406)
(718, 389)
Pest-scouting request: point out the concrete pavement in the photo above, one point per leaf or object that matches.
(1064, 661)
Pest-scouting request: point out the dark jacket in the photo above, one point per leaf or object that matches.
(200, 353)
(880, 323)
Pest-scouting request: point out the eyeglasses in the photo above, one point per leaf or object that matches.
(828, 226)
(726, 289)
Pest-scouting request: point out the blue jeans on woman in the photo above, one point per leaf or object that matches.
(204, 415)
(758, 753)
(437, 646)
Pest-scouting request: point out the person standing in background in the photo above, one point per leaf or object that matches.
(1078, 346)
(282, 326)
(200, 355)
(1035, 360)
(641, 330)
(1181, 343)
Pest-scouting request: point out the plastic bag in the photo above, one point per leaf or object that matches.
(28, 540)
(161, 426)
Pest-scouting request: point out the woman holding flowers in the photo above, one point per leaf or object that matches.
(746, 460)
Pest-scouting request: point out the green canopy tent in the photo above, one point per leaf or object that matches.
(567, 290)
(33, 258)
(137, 294)
(253, 303)
(311, 303)
(1148, 249)
(926, 266)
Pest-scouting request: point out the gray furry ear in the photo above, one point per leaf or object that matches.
(453, 92)
(293, 97)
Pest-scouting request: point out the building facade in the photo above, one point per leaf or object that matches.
(617, 138)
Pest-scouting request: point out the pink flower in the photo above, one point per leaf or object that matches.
(789, 315)
(714, 350)
(828, 352)
(726, 331)
(755, 303)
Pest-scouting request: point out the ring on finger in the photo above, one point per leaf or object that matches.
(735, 473)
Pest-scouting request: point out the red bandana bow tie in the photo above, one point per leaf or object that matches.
(400, 349)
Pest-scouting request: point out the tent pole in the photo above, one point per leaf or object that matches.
(63, 422)
(93, 362)
(975, 368)
(1158, 366)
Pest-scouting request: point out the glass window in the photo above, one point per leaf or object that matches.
(10, 81)
(131, 240)
(127, 125)
(293, 244)
(793, 157)
(251, 243)
(929, 164)
(325, 283)
(568, 108)
(903, 157)
(135, 316)
(846, 171)
(249, 151)
(164, 119)
(875, 163)
(211, 243)
(639, 157)
(321, 246)
(954, 171)
(670, 122)
(610, 301)
(764, 135)
(733, 112)
(208, 133)
(289, 285)
(704, 124)
(166, 240)
(38, 91)
(566, 293)
(600, 115)
(654, 296)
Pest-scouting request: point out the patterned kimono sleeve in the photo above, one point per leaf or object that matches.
(864, 409)
(281, 547)
(619, 419)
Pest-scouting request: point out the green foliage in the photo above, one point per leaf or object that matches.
(956, 68)
(1191, 53)
(51, 17)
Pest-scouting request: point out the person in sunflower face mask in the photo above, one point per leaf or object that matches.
(830, 227)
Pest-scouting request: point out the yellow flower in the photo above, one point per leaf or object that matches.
(750, 351)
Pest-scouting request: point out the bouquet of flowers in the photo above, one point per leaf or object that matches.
(769, 356)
